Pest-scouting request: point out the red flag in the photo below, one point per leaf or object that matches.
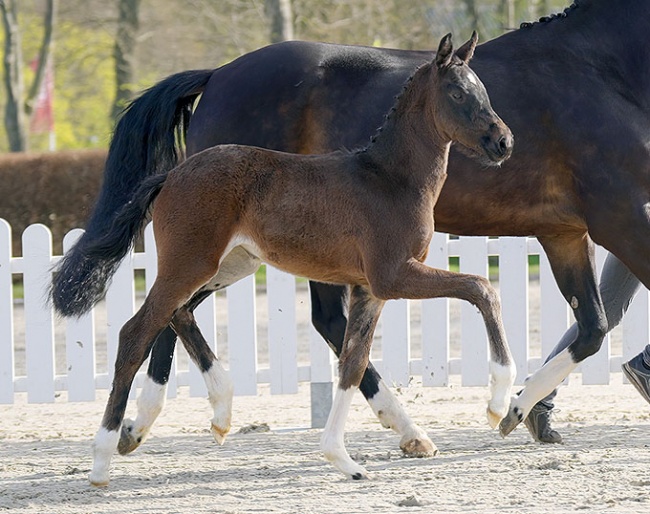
(43, 115)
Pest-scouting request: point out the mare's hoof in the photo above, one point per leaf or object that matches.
(510, 422)
(418, 447)
(359, 476)
(128, 440)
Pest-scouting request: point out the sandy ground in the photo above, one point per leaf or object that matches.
(604, 464)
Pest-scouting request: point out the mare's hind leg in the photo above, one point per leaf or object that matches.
(217, 380)
(364, 313)
(328, 304)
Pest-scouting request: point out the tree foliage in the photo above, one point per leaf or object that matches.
(174, 36)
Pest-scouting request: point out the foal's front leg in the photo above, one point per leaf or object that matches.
(415, 280)
(364, 313)
(329, 317)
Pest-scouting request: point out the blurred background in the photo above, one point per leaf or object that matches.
(70, 66)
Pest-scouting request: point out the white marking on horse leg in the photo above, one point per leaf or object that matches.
(103, 448)
(220, 391)
(501, 379)
(543, 381)
(415, 442)
(150, 404)
(332, 443)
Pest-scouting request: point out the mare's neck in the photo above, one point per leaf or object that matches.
(408, 147)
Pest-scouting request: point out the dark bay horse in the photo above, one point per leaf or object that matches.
(362, 218)
(575, 91)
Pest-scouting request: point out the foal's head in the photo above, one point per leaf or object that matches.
(461, 108)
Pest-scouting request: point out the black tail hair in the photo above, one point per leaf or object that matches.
(146, 141)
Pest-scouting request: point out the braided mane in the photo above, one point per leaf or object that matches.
(555, 16)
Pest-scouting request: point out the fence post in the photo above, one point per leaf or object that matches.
(321, 379)
(39, 330)
(242, 336)
(7, 371)
(283, 339)
(513, 288)
(80, 345)
(120, 304)
(473, 336)
(435, 321)
(396, 342)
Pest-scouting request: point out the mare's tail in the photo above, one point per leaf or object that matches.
(146, 141)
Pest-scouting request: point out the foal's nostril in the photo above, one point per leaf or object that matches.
(504, 145)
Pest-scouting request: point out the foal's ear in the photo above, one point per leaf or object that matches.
(466, 52)
(445, 52)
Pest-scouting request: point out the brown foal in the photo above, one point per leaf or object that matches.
(362, 218)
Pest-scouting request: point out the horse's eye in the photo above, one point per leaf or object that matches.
(457, 95)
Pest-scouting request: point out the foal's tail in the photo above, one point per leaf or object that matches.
(102, 255)
(146, 141)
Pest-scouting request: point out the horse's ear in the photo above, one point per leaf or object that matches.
(445, 52)
(466, 52)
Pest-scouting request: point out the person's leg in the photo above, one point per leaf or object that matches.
(617, 289)
(637, 371)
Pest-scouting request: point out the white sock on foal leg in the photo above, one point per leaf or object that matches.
(150, 404)
(220, 391)
(501, 380)
(103, 448)
(415, 442)
(332, 443)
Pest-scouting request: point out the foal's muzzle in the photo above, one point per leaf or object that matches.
(498, 143)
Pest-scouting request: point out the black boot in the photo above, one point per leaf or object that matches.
(538, 424)
(638, 374)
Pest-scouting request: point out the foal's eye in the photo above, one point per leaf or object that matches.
(457, 94)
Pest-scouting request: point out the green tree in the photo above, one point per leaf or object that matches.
(19, 102)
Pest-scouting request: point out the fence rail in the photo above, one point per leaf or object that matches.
(43, 356)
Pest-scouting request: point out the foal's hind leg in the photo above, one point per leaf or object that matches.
(217, 380)
(364, 313)
(328, 304)
(152, 397)
(136, 338)
(238, 264)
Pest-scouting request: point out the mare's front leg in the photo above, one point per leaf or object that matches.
(572, 260)
(415, 280)
(329, 317)
(364, 313)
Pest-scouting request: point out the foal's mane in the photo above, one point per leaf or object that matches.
(456, 61)
(555, 16)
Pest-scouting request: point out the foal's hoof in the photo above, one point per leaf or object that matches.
(418, 447)
(219, 433)
(98, 479)
(510, 422)
(128, 440)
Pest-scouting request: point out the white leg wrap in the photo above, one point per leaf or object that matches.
(103, 448)
(501, 380)
(220, 391)
(332, 443)
(544, 380)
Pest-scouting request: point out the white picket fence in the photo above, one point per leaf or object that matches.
(414, 338)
